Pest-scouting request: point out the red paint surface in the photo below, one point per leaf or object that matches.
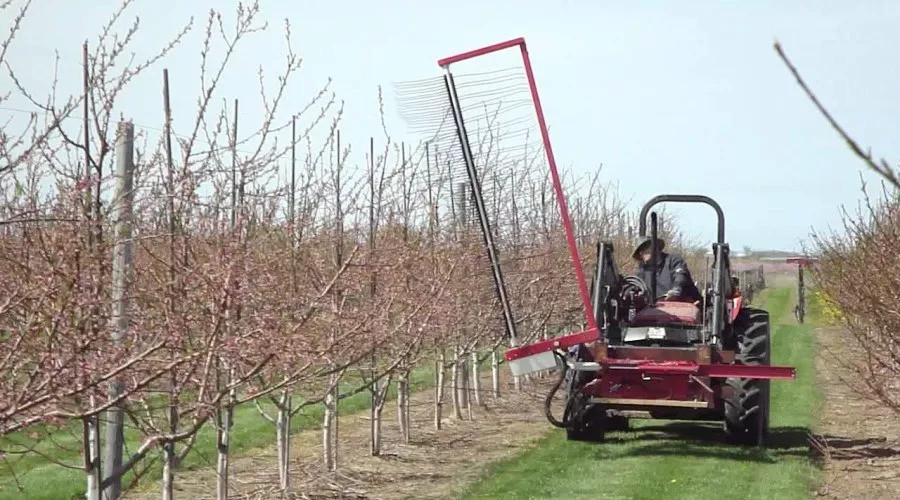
(663, 313)
(480, 52)
(632, 385)
(715, 370)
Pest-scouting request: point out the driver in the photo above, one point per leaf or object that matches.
(673, 278)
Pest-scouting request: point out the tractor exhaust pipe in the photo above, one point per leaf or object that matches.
(654, 256)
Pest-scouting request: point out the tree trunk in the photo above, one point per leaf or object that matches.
(92, 456)
(170, 460)
(115, 439)
(225, 419)
(374, 420)
(462, 387)
(454, 389)
(495, 373)
(379, 397)
(476, 384)
(168, 475)
(326, 435)
(329, 428)
(439, 390)
(403, 404)
(467, 386)
(335, 424)
(407, 405)
(223, 438)
(283, 437)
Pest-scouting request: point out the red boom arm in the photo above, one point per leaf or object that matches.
(551, 160)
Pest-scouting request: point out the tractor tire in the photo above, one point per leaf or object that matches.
(747, 409)
(588, 427)
(616, 423)
(587, 421)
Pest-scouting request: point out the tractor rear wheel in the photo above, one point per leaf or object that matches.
(747, 409)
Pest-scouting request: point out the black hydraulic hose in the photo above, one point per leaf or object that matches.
(548, 401)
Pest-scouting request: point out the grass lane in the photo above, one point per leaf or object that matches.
(661, 459)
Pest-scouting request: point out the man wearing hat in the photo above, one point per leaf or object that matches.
(673, 278)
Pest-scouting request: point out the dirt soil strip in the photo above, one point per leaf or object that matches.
(435, 464)
(861, 439)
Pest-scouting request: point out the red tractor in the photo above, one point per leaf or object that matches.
(639, 353)
(659, 358)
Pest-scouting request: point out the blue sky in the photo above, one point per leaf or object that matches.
(683, 97)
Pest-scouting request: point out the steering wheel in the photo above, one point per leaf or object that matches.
(635, 287)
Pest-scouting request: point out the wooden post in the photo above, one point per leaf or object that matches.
(121, 270)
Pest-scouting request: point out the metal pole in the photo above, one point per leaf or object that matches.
(87, 133)
(293, 195)
(121, 269)
(234, 167)
(91, 432)
(171, 289)
(718, 284)
(654, 256)
(801, 294)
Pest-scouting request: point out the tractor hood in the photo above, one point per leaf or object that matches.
(665, 322)
(668, 313)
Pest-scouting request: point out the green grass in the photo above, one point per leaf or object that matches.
(661, 459)
(44, 480)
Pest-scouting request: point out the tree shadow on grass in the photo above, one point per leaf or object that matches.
(844, 448)
(703, 440)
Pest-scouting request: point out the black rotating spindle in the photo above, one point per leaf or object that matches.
(475, 183)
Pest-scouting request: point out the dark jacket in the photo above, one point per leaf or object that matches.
(672, 275)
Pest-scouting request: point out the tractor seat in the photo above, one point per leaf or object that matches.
(668, 313)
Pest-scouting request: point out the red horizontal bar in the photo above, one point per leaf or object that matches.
(549, 345)
(656, 368)
(704, 370)
(749, 371)
(480, 52)
(674, 367)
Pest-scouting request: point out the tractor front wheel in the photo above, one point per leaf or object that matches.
(589, 425)
(747, 409)
(587, 422)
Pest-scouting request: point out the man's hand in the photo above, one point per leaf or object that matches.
(673, 293)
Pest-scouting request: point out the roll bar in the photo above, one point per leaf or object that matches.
(684, 198)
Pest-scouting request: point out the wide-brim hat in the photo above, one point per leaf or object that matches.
(644, 244)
